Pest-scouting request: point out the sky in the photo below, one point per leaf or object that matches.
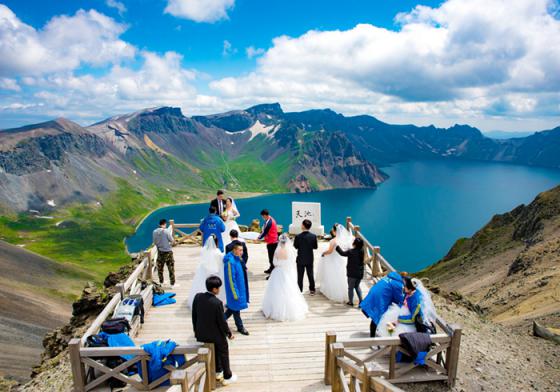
(494, 64)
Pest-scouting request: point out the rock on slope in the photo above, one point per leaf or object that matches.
(511, 267)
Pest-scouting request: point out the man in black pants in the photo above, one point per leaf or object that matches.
(270, 236)
(305, 243)
(210, 327)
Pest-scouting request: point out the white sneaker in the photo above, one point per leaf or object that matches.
(174, 286)
(230, 380)
(220, 376)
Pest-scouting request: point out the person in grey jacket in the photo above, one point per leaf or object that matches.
(163, 240)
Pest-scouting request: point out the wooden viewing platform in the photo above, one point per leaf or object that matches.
(277, 356)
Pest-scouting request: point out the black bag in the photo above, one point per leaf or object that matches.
(115, 325)
(110, 362)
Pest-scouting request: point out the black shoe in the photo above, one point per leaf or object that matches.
(267, 278)
(312, 292)
(268, 271)
(243, 331)
(350, 304)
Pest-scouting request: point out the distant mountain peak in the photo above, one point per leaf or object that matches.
(273, 109)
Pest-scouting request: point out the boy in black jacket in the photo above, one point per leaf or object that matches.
(354, 268)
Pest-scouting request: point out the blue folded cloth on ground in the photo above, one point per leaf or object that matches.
(164, 299)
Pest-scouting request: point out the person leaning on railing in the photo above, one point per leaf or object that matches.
(163, 240)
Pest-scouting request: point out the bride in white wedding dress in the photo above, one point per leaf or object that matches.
(389, 325)
(282, 299)
(331, 273)
(211, 263)
(229, 216)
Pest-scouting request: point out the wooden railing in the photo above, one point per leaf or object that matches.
(198, 373)
(371, 364)
(375, 262)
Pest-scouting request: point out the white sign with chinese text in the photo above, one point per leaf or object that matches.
(311, 211)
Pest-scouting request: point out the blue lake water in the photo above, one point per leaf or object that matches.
(415, 216)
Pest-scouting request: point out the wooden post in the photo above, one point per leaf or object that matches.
(120, 289)
(204, 356)
(348, 221)
(452, 359)
(337, 352)
(179, 377)
(330, 338)
(172, 224)
(376, 264)
(365, 380)
(78, 369)
(150, 266)
(392, 362)
(212, 366)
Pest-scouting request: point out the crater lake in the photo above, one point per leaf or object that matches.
(415, 216)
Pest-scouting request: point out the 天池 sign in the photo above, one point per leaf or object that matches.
(311, 211)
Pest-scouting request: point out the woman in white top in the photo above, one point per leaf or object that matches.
(282, 299)
(211, 263)
(331, 273)
(229, 216)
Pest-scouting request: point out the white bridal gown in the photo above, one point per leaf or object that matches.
(231, 224)
(331, 274)
(282, 299)
(211, 263)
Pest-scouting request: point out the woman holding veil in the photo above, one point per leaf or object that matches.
(332, 267)
(283, 301)
(417, 314)
(211, 263)
(231, 213)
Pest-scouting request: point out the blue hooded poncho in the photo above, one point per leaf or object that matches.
(236, 296)
(213, 224)
(382, 295)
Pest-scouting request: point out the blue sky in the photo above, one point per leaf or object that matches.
(402, 61)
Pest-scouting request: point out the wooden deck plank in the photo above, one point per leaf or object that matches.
(275, 356)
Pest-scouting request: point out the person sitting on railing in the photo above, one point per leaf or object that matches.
(163, 240)
(210, 326)
(385, 292)
(422, 312)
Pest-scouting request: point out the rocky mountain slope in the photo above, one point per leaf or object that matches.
(258, 149)
(34, 299)
(510, 269)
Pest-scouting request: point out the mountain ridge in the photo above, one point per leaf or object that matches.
(258, 149)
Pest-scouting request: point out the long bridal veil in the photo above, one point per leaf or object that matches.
(282, 299)
(344, 238)
(211, 263)
(428, 309)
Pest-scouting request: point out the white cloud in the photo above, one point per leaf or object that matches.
(460, 58)
(209, 11)
(65, 43)
(228, 49)
(254, 52)
(9, 84)
(120, 7)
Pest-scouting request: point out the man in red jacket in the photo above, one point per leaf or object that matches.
(270, 236)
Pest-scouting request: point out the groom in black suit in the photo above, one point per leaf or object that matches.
(305, 243)
(210, 326)
(234, 235)
(219, 203)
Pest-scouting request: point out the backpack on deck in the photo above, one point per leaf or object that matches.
(115, 325)
(110, 362)
(129, 307)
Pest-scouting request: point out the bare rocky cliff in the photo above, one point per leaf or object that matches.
(510, 268)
